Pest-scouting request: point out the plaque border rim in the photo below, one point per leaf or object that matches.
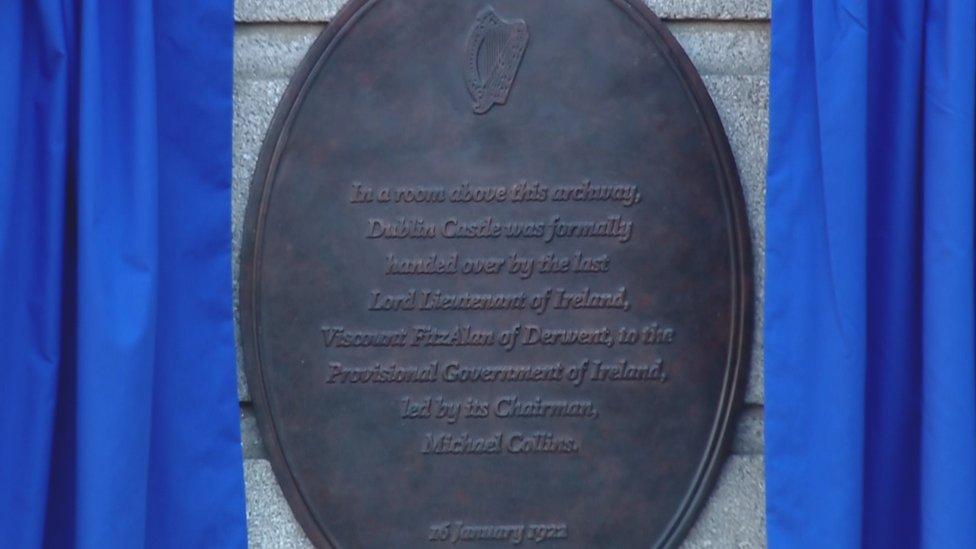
(738, 362)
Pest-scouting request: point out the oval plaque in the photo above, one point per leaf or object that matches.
(495, 282)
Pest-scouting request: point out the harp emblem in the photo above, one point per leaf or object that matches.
(493, 54)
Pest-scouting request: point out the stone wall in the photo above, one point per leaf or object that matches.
(728, 41)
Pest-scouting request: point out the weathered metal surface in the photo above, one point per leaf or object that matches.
(495, 282)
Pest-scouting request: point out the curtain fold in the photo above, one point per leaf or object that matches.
(870, 337)
(118, 414)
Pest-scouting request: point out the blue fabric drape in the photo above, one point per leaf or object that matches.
(118, 411)
(870, 337)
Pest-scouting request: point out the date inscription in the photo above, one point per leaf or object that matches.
(458, 531)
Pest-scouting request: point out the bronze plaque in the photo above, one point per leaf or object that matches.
(495, 283)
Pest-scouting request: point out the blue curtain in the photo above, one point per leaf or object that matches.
(118, 413)
(870, 337)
